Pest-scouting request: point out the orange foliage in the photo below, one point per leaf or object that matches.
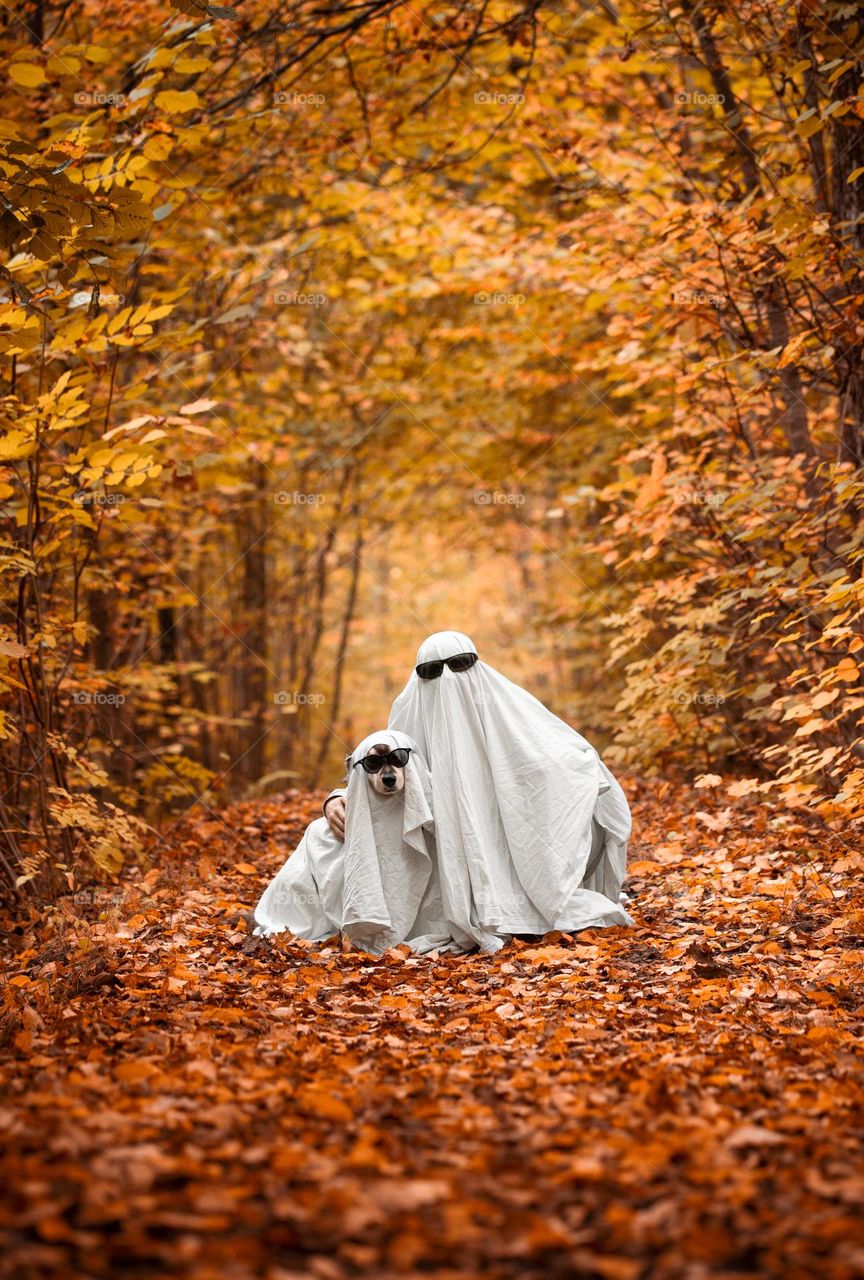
(183, 1099)
(308, 313)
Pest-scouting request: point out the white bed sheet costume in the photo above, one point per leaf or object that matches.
(381, 886)
(531, 827)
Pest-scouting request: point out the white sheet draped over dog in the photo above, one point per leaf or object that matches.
(391, 884)
(515, 791)
(380, 886)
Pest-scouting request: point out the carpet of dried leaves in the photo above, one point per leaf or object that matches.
(681, 1100)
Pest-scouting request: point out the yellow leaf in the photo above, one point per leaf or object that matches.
(117, 322)
(131, 425)
(96, 53)
(199, 406)
(175, 101)
(26, 74)
(17, 444)
(158, 147)
(195, 430)
(161, 58)
(188, 65)
(64, 65)
(140, 313)
(807, 128)
(124, 460)
(12, 317)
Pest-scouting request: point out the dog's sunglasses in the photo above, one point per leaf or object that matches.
(398, 757)
(432, 670)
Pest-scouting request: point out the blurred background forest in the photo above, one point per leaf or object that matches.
(327, 325)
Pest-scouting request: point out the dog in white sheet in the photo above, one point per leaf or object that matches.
(379, 886)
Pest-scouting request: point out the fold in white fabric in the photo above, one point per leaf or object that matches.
(520, 800)
(305, 896)
(381, 886)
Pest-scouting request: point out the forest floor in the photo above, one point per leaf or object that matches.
(682, 1099)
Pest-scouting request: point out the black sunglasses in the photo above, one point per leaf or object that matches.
(432, 670)
(397, 757)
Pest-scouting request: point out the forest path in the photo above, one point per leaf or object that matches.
(676, 1100)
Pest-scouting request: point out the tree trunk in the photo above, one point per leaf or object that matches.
(847, 211)
(255, 673)
(166, 622)
(347, 619)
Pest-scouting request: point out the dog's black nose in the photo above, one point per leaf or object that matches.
(389, 780)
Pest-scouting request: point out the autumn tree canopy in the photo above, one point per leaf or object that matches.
(324, 325)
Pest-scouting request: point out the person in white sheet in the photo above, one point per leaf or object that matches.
(531, 827)
(380, 887)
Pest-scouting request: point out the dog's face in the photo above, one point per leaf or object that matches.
(389, 780)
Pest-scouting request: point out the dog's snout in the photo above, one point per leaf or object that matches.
(388, 780)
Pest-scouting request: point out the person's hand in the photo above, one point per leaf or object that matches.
(334, 812)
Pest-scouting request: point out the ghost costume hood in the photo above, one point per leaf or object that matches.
(380, 886)
(524, 807)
